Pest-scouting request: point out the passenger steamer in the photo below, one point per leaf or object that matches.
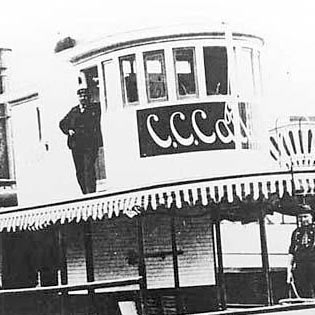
(183, 150)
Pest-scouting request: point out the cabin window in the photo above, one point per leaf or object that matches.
(215, 60)
(155, 75)
(185, 71)
(128, 74)
(89, 78)
(245, 72)
(246, 128)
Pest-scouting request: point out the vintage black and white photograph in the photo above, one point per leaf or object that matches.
(157, 157)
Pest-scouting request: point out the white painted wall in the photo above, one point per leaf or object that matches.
(45, 176)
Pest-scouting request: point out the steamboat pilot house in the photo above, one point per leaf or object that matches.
(182, 151)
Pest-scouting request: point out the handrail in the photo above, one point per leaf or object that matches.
(7, 182)
(75, 287)
(297, 124)
(255, 254)
(275, 309)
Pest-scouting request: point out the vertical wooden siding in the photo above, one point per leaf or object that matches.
(195, 251)
(114, 242)
(115, 250)
(75, 254)
(157, 240)
(194, 238)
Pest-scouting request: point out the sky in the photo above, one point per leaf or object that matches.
(31, 28)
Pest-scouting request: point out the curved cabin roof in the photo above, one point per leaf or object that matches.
(87, 50)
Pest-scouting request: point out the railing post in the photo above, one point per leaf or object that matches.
(2, 308)
(179, 305)
(62, 272)
(88, 245)
(2, 298)
(141, 266)
(220, 268)
(264, 257)
(63, 303)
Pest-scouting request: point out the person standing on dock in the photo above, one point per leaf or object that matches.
(301, 266)
(82, 126)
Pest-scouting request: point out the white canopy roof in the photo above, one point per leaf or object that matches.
(204, 192)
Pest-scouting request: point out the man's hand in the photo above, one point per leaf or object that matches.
(289, 275)
(71, 132)
(290, 267)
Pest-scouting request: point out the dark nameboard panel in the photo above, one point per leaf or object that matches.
(185, 128)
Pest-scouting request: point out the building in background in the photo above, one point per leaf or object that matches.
(8, 196)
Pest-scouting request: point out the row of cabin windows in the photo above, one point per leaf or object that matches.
(215, 68)
(215, 59)
(185, 71)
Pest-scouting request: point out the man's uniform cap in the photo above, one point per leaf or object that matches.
(305, 209)
(83, 91)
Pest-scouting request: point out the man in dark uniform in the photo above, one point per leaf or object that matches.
(82, 126)
(301, 265)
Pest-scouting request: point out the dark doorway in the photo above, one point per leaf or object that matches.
(30, 259)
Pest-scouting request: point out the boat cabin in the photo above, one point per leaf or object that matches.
(183, 151)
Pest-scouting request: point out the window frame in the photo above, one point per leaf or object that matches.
(195, 74)
(123, 82)
(227, 79)
(164, 74)
(82, 72)
(254, 90)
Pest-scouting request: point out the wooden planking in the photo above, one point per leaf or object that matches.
(75, 254)
(194, 238)
(157, 239)
(113, 242)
